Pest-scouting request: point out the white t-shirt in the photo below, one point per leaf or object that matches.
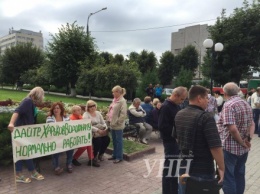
(219, 100)
(255, 99)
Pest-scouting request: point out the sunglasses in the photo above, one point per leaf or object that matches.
(91, 106)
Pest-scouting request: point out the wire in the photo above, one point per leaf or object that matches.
(153, 28)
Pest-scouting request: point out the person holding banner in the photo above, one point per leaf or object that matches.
(76, 115)
(100, 138)
(57, 114)
(116, 116)
(25, 114)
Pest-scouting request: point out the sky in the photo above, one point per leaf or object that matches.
(125, 26)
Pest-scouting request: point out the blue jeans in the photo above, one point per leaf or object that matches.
(256, 114)
(19, 165)
(234, 177)
(55, 159)
(117, 136)
(169, 181)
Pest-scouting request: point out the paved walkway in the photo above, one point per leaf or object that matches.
(123, 178)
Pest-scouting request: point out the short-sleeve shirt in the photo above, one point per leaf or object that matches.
(236, 111)
(25, 113)
(207, 137)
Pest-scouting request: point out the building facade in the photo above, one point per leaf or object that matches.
(192, 35)
(22, 36)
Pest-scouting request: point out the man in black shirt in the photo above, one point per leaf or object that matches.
(167, 113)
(207, 144)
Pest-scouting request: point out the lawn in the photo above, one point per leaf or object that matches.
(19, 95)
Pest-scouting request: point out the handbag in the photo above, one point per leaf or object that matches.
(196, 185)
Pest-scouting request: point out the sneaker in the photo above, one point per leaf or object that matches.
(58, 171)
(76, 162)
(93, 163)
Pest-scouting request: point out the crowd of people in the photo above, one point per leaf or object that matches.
(225, 140)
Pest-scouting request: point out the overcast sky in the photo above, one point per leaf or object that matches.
(120, 28)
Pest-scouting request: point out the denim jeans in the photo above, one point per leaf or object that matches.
(169, 181)
(19, 165)
(234, 177)
(117, 136)
(55, 159)
(256, 114)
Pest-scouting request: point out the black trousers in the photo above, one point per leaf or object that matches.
(100, 144)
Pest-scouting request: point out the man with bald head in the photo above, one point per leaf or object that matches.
(236, 128)
(167, 113)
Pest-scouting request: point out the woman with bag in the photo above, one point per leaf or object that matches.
(100, 138)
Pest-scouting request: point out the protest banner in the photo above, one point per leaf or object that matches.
(32, 141)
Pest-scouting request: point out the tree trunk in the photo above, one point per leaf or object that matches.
(73, 92)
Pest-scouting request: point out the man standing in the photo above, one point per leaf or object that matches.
(136, 115)
(255, 104)
(150, 91)
(212, 105)
(167, 114)
(207, 144)
(236, 127)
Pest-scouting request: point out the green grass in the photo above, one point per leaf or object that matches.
(18, 96)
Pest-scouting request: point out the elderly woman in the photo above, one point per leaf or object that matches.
(57, 114)
(25, 114)
(100, 139)
(116, 117)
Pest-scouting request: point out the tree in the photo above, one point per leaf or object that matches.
(108, 57)
(146, 61)
(18, 59)
(187, 58)
(70, 46)
(166, 67)
(119, 59)
(240, 35)
(184, 78)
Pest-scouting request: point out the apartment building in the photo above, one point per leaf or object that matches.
(192, 35)
(19, 37)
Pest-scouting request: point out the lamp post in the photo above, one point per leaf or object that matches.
(93, 14)
(208, 44)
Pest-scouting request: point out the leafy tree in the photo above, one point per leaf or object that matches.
(133, 57)
(166, 67)
(240, 35)
(108, 57)
(187, 58)
(184, 78)
(146, 61)
(70, 46)
(119, 59)
(18, 59)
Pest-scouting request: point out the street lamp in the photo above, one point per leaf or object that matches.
(208, 44)
(93, 14)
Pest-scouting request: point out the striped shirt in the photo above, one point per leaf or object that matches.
(207, 137)
(236, 111)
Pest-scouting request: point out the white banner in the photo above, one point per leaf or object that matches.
(32, 141)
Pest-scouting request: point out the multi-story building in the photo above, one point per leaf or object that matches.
(19, 37)
(192, 35)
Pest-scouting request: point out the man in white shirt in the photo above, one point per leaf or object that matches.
(255, 104)
(220, 100)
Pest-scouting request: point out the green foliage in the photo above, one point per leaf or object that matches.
(18, 59)
(118, 59)
(146, 61)
(105, 78)
(130, 146)
(184, 78)
(165, 70)
(149, 77)
(69, 47)
(187, 58)
(240, 35)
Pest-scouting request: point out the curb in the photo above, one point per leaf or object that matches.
(135, 155)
